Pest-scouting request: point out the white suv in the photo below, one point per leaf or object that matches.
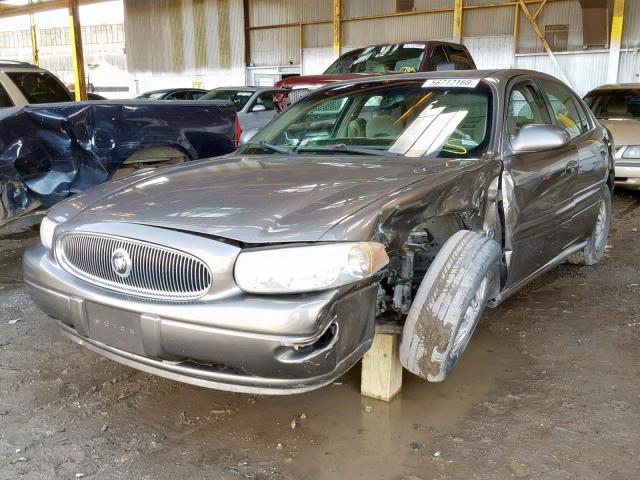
(23, 83)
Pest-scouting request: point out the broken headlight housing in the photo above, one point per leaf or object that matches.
(308, 268)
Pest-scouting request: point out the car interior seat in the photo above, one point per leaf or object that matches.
(617, 107)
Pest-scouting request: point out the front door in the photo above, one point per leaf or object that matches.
(537, 189)
(591, 161)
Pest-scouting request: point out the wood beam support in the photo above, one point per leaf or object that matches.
(337, 26)
(540, 36)
(617, 23)
(381, 369)
(77, 55)
(34, 39)
(457, 20)
(516, 29)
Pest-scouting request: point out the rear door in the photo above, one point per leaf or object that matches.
(590, 165)
(538, 188)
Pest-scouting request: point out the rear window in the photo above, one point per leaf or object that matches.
(40, 87)
(239, 98)
(623, 103)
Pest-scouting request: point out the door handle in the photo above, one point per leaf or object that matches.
(571, 168)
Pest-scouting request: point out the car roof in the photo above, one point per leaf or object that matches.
(616, 86)
(169, 90)
(16, 63)
(246, 88)
(496, 75)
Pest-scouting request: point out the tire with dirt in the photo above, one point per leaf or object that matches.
(593, 251)
(449, 304)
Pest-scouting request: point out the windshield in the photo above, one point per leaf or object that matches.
(407, 119)
(401, 57)
(40, 87)
(342, 64)
(239, 98)
(622, 103)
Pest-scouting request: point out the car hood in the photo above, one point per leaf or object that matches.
(624, 131)
(253, 199)
(314, 81)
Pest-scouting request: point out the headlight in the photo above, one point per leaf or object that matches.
(46, 231)
(632, 151)
(309, 268)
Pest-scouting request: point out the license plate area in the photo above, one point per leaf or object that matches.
(116, 328)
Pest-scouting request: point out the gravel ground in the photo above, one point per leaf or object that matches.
(548, 389)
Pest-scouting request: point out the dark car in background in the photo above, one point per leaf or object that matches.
(415, 200)
(254, 105)
(408, 57)
(172, 94)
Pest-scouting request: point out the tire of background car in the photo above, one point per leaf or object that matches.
(151, 157)
(593, 251)
(449, 303)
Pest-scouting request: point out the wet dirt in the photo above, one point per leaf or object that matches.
(547, 389)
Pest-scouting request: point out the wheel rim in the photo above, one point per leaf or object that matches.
(600, 237)
(471, 316)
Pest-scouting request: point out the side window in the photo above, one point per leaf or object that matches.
(5, 101)
(438, 57)
(525, 107)
(459, 57)
(266, 100)
(568, 112)
(195, 95)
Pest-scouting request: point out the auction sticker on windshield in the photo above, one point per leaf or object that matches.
(452, 82)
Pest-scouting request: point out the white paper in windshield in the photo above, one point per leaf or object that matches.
(452, 82)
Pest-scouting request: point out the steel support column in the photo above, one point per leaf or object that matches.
(77, 55)
(457, 20)
(616, 39)
(337, 26)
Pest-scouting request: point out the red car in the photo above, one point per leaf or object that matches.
(409, 57)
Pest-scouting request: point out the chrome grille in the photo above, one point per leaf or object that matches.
(154, 271)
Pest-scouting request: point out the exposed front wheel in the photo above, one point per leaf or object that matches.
(449, 304)
(594, 250)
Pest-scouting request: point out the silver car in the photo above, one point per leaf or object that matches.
(254, 105)
(617, 107)
(413, 199)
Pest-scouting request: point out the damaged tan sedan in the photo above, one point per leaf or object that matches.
(414, 199)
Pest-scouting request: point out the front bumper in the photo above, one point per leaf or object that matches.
(288, 344)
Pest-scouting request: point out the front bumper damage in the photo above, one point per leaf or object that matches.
(228, 340)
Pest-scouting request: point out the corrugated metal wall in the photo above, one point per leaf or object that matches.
(435, 26)
(584, 70)
(191, 35)
(491, 52)
(554, 13)
(631, 34)
(202, 36)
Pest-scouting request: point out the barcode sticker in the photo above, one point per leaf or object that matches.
(452, 82)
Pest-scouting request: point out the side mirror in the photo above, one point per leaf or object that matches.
(538, 138)
(258, 108)
(247, 135)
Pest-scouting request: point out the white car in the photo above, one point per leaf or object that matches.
(22, 83)
(617, 107)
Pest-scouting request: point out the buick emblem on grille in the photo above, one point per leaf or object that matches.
(121, 262)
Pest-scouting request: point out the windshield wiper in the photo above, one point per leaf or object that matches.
(341, 147)
(273, 148)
